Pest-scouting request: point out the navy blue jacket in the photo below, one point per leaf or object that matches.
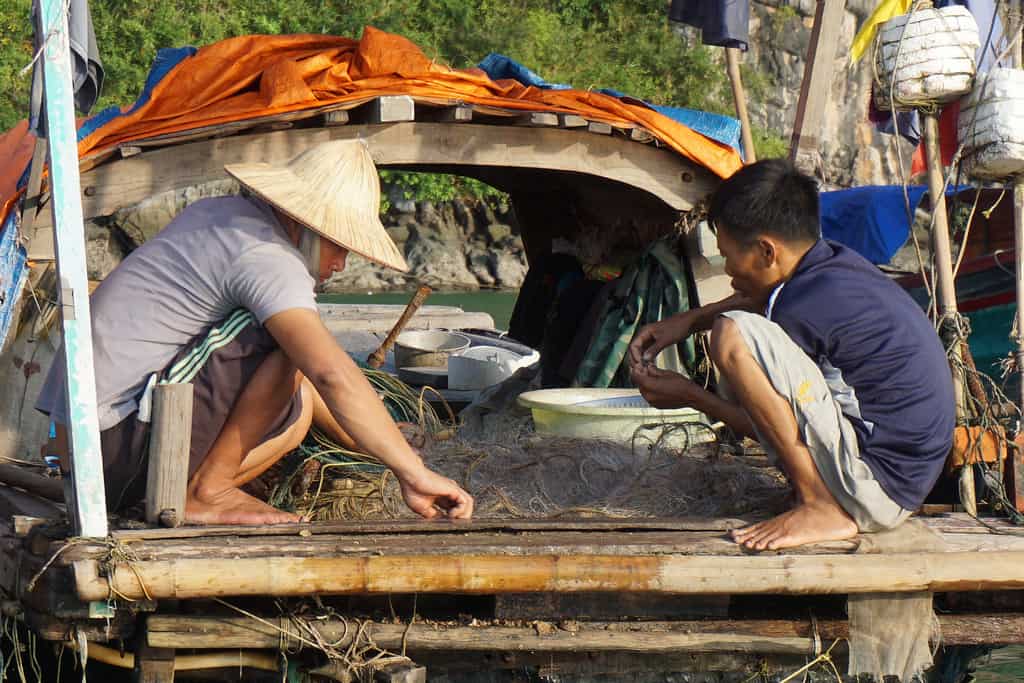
(862, 329)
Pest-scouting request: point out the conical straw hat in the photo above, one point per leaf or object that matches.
(332, 189)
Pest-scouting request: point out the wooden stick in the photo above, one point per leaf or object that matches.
(530, 573)
(945, 285)
(171, 435)
(732, 62)
(1018, 243)
(377, 358)
(22, 478)
(775, 636)
(208, 660)
(817, 82)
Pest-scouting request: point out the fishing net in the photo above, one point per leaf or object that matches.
(514, 472)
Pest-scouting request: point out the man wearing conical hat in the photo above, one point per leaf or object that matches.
(223, 298)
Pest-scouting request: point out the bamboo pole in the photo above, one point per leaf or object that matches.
(764, 636)
(945, 284)
(170, 436)
(497, 574)
(1018, 242)
(732, 62)
(207, 660)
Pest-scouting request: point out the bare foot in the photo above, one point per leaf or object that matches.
(805, 523)
(232, 506)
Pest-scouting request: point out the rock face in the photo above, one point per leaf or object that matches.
(853, 152)
(449, 246)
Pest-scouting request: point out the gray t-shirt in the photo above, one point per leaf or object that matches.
(219, 254)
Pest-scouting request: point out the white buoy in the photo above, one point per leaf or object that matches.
(991, 125)
(925, 58)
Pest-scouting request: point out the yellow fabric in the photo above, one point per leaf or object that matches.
(885, 11)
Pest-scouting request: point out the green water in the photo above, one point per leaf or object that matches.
(498, 304)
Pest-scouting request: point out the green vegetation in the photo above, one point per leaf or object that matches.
(622, 44)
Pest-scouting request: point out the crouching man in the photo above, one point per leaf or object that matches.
(223, 298)
(821, 358)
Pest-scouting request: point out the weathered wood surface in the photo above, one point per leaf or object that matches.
(755, 635)
(489, 574)
(123, 182)
(32, 481)
(170, 436)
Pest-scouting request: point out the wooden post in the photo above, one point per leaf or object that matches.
(89, 504)
(732, 62)
(945, 285)
(1018, 243)
(817, 83)
(153, 665)
(169, 440)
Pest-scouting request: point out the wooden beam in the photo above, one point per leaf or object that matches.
(599, 127)
(571, 121)
(170, 436)
(1018, 241)
(816, 88)
(494, 574)
(24, 478)
(751, 635)
(89, 504)
(338, 117)
(538, 118)
(120, 183)
(390, 109)
(732, 62)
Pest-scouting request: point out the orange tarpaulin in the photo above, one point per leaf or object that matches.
(251, 76)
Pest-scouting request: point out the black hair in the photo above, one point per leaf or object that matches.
(767, 197)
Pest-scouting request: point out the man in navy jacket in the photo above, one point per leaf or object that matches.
(823, 359)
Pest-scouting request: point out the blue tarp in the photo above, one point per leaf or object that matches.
(718, 127)
(13, 274)
(871, 220)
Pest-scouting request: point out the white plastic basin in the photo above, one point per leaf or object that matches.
(613, 414)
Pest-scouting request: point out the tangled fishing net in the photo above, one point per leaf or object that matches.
(514, 472)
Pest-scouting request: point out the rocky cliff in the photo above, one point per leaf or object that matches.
(853, 152)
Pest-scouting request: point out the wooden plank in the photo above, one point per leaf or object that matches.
(387, 109)
(153, 665)
(335, 118)
(1014, 473)
(16, 502)
(816, 88)
(125, 182)
(495, 574)
(571, 121)
(33, 195)
(540, 119)
(170, 436)
(643, 637)
(89, 504)
(33, 482)
(599, 127)
(641, 135)
(127, 151)
(476, 525)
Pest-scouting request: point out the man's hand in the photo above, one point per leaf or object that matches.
(651, 339)
(427, 493)
(664, 388)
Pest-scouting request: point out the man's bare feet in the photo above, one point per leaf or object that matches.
(231, 506)
(805, 523)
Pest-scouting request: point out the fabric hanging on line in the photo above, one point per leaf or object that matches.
(86, 67)
(652, 289)
(725, 23)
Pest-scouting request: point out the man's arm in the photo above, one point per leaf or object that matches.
(358, 410)
(667, 389)
(651, 339)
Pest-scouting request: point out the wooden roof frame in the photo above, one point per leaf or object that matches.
(138, 172)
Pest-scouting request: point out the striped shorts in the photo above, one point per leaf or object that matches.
(219, 365)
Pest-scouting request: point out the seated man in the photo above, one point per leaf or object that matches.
(829, 364)
(223, 297)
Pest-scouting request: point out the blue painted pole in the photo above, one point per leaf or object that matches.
(90, 513)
